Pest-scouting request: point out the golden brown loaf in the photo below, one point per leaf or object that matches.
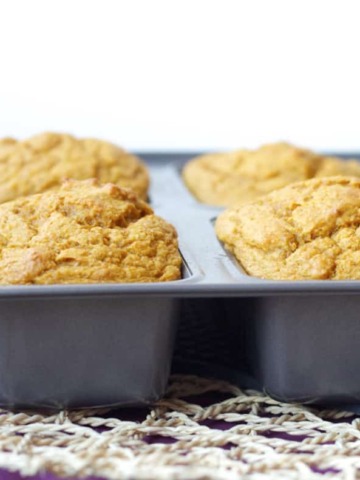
(307, 230)
(85, 233)
(43, 162)
(242, 176)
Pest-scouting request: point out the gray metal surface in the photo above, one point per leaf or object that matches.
(94, 345)
(306, 349)
(76, 351)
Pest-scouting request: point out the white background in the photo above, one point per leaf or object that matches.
(187, 74)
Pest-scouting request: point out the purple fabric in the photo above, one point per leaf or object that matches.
(5, 475)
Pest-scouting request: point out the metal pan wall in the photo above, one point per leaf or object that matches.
(77, 351)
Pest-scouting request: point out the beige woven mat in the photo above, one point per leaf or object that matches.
(227, 435)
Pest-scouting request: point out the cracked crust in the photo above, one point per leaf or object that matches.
(233, 178)
(85, 233)
(44, 161)
(306, 231)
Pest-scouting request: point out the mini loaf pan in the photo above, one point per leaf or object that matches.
(72, 346)
(296, 340)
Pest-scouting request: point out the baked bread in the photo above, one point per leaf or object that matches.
(306, 231)
(43, 162)
(226, 179)
(85, 233)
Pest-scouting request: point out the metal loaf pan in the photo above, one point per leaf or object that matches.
(99, 345)
(76, 346)
(296, 340)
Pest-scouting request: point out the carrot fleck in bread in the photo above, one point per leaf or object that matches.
(85, 233)
(44, 161)
(306, 231)
(242, 176)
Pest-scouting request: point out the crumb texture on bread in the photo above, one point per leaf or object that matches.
(233, 178)
(85, 232)
(46, 160)
(306, 231)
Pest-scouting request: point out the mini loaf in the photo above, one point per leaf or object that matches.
(43, 162)
(306, 231)
(85, 233)
(233, 178)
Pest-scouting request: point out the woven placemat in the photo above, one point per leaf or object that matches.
(202, 429)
